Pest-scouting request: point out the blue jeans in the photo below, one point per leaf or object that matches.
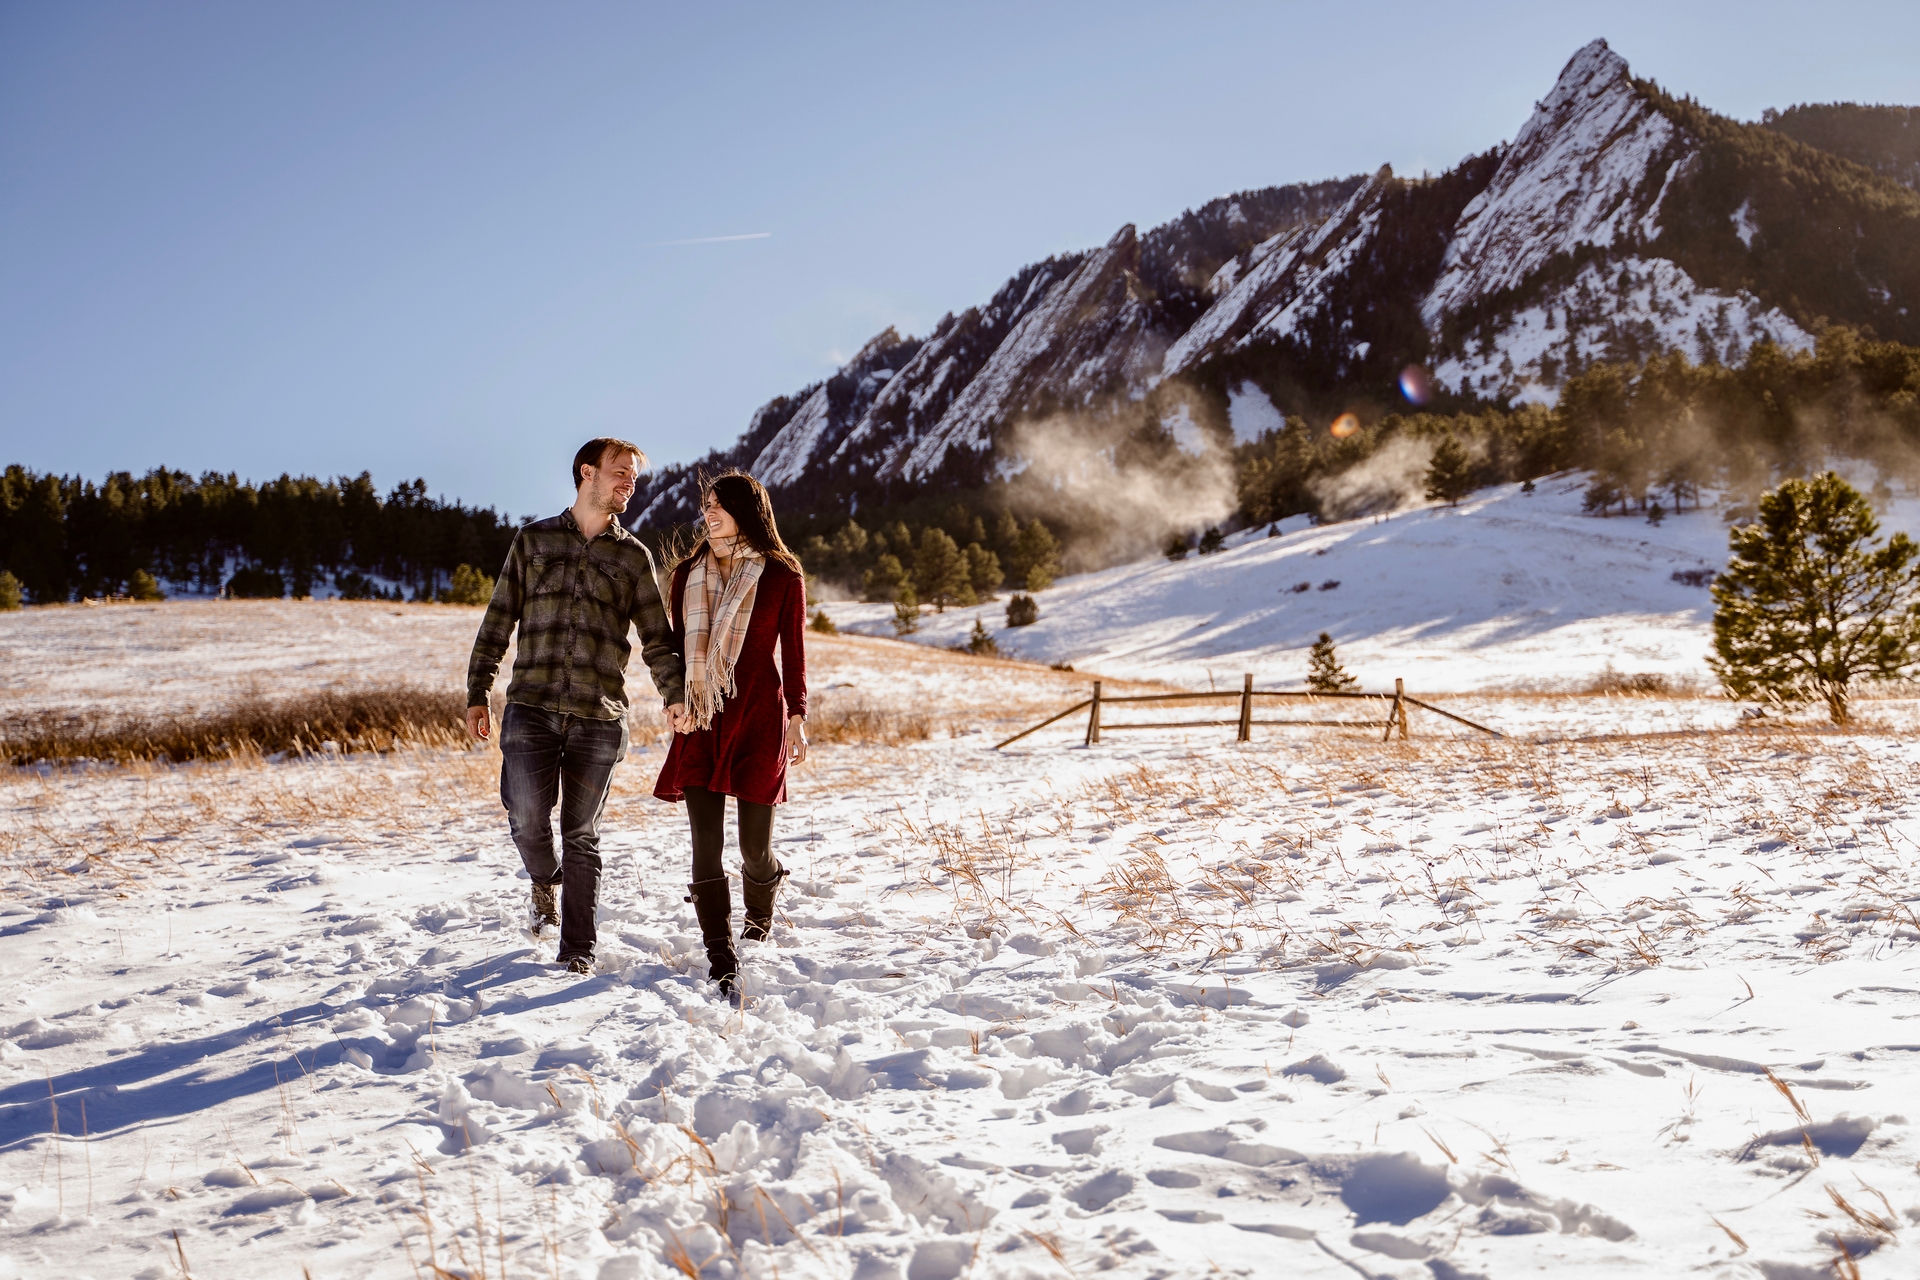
(547, 756)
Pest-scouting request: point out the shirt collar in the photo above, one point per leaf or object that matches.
(615, 530)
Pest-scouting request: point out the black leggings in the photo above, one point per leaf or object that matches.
(707, 815)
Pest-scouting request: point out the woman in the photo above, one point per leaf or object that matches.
(731, 597)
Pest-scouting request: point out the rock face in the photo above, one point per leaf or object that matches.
(1588, 170)
(1284, 280)
(1504, 276)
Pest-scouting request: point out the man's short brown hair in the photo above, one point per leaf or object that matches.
(595, 451)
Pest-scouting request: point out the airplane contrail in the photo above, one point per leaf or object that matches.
(751, 235)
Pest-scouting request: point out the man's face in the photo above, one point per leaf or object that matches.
(610, 485)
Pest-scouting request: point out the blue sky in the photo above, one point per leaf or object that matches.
(437, 239)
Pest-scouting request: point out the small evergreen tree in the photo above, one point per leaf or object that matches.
(886, 580)
(1022, 611)
(470, 586)
(142, 586)
(1527, 488)
(1450, 474)
(10, 593)
(823, 624)
(1324, 672)
(1212, 541)
(1036, 560)
(940, 570)
(906, 612)
(981, 642)
(1656, 513)
(1178, 544)
(1811, 602)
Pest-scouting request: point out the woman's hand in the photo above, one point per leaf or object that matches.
(797, 739)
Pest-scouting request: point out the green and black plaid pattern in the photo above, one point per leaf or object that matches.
(573, 601)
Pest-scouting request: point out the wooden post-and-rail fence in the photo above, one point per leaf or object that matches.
(1244, 723)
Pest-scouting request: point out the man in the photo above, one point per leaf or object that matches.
(572, 584)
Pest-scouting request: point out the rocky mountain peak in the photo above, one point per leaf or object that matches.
(1589, 168)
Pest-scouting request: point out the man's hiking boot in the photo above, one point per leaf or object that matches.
(757, 899)
(713, 903)
(580, 964)
(546, 907)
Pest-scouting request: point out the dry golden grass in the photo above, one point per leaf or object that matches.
(350, 720)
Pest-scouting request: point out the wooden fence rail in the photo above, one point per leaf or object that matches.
(1244, 723)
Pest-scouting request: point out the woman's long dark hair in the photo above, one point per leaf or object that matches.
(746, 500)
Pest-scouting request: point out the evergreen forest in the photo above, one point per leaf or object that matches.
(65, 537)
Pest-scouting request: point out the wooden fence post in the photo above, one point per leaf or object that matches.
(1400, 705)
(1246, 708)
(1395, 713)
(1093, 717)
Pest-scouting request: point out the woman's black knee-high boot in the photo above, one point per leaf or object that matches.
(713, 904)
(757, 898)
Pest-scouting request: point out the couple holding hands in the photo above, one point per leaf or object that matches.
(572, 585)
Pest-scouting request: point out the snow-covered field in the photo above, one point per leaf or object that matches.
(1164, 1007)
(1507, 591)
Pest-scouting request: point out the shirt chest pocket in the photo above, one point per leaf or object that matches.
(546, 575)
(610, 585)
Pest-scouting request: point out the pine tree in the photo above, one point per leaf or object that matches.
(906, 612)
(885, 580)
(1212, 541)
(143, 587)
(1006, 535)
(1450, 474)
(1021, 610)
(470, 586)
(1324, 672)
(1178, 544)
(1036, 561)
(983, 571)
(981, 642)
(1810, 600)
(823, 624)
(940, 570)
(10, 592)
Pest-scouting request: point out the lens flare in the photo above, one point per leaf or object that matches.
(1415, 385)
(1345, 425)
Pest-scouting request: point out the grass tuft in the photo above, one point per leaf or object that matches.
(862, 720)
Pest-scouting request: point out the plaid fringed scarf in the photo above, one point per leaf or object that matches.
(717, 616)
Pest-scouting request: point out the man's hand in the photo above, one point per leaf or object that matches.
(479, 724)
(677, 718)
(797, 739)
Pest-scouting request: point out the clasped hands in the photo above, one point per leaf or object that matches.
(681, 721)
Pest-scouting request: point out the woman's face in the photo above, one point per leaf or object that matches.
(720, 524)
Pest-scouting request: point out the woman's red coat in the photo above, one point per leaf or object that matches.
(744, 753)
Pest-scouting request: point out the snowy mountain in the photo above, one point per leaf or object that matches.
(1619, 223)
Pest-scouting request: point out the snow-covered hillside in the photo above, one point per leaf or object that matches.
(1161, 1010)
(1506, 591)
